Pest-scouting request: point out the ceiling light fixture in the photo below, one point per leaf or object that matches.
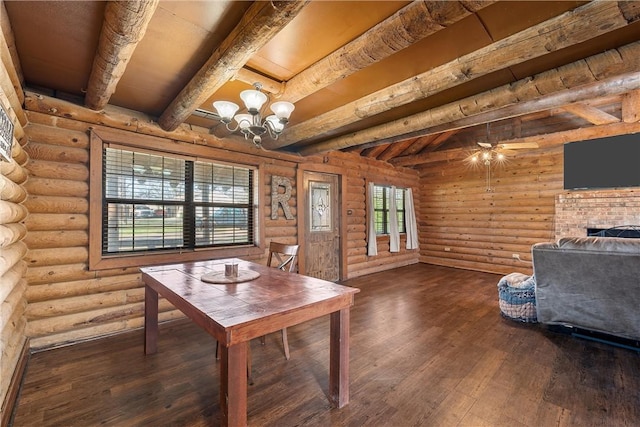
(486, 154)
(252, 125)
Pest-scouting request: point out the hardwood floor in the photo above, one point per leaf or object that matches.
(429, 348)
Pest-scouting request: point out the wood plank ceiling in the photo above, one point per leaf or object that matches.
(405, 82)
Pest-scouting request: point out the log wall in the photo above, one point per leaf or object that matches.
(13, 284)
(67, 302)
(465, 226)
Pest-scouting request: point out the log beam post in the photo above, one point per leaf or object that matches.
(124, 25)
(591, 114)
(631, 107)
(261, 22)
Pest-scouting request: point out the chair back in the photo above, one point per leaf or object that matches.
(285, 256)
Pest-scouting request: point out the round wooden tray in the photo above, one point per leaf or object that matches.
(218, 277)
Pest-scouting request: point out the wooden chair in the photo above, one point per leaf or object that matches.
(285, 258)
(285, 255)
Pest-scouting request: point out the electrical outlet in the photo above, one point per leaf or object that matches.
(447, 249)
(515, 256)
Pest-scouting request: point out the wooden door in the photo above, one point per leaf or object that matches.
(322, 226)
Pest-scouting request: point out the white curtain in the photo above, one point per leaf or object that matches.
(410, 219)
(372, 244)
(394, 234)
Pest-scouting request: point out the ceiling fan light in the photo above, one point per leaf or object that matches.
(253, 100)
(225, 110)
(282, 110)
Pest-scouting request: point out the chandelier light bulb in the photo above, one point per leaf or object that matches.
(282, 110)
(253, 100)
(244, 120)
(276, 123)
(225, 110)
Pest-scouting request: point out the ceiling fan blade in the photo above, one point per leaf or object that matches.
(484, 144)
(508, 152)
(519, 145)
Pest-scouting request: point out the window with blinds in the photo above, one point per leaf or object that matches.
(156, 202)
(382, 204)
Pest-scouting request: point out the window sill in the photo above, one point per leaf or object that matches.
(173, 257)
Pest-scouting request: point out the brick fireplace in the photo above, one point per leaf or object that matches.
(578, 210)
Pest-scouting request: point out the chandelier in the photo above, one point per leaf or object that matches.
(251, 124)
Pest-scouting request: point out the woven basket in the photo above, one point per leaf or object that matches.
(517, 297)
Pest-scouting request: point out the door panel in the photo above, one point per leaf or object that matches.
(322, 226)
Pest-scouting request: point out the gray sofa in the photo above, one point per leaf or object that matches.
(591, 283)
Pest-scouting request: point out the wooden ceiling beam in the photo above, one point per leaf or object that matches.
(407, 26)
(394, 149)
(590, 114)
(438, 141)
(419, 144)
(631, 107)
(262, 21)
(525, 96)
(579, 25)
(618, 84)
(358, 149)
(124, 25)
(268, 85)
(374, 152)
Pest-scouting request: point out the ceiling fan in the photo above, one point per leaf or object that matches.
(495, 153)
(508, 147)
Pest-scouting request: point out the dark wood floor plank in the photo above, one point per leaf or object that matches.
(428, 347)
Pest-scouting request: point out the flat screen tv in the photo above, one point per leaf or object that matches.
(602, 163)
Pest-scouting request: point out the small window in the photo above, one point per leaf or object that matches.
(382, 204)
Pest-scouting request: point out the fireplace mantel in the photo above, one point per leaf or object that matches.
(578, 210)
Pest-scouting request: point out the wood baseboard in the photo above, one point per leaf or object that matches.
(9, 403)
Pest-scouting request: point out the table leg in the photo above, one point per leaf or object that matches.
(150, 320)
(233, 385)
(339, 358)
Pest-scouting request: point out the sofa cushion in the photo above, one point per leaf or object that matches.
(602, 244)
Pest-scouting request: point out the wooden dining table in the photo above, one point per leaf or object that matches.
(236, 312)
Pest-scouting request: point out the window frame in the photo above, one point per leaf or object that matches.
(161, 146)
(385, 209)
